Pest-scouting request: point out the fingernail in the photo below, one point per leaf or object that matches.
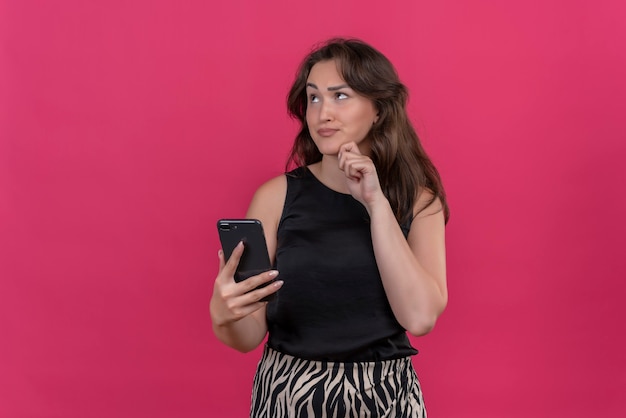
(278, 283)
(273, 273)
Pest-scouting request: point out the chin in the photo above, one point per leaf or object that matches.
(333, 148)
(329, 148)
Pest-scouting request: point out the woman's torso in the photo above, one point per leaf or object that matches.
(332, 305)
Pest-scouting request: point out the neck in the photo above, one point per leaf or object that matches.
(327, 171)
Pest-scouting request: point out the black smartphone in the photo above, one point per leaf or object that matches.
(255, 258)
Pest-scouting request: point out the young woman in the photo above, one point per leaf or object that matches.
(357, 234)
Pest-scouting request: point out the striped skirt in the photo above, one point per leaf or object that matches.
(286, 386)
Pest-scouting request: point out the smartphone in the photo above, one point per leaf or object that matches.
(255, 258)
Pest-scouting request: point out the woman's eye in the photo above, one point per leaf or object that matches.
(313, 99)
(341, 96)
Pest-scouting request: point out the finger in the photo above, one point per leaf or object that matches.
(268, 290)
(220, 255)
(346, 156)
(235, 256)
(258, 294)
(358, 167)
(255, 281)
(350, 147)
(344, 165)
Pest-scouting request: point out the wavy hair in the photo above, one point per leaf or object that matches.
(404, 169)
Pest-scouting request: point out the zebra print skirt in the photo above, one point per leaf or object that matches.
(286, 386)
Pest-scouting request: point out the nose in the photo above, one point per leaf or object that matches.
(326, 111)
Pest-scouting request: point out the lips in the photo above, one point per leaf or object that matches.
(326, 132)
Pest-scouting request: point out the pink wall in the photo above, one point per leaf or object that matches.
(128, 128)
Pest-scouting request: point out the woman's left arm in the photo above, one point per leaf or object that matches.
(413, 270)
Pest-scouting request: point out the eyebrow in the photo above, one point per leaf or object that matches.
(332, 88)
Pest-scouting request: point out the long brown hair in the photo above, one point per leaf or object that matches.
(404, 169)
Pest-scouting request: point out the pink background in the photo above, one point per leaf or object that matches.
(127, 128)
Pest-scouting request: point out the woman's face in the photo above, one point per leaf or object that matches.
(335, 113)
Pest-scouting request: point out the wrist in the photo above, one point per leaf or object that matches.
(379, 207)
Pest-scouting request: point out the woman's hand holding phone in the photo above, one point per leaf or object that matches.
(231, 300)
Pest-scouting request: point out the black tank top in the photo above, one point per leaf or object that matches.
(332, 305)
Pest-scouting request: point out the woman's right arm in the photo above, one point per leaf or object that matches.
(237, 314)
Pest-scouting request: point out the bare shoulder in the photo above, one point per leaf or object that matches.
(272, 190)
(267, 202)
(427, 204)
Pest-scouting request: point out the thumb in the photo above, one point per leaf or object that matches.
(220, 255)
